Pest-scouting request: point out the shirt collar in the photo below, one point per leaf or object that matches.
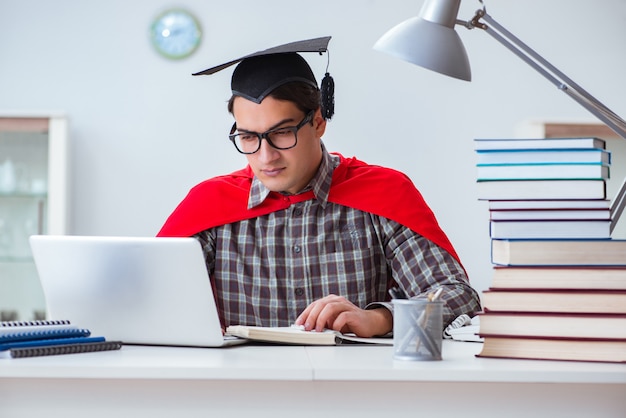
(320, 184)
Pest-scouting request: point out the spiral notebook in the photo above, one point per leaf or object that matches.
(139, 290)
(54, 350)
(47, 338)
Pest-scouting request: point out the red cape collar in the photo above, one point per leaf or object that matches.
(373, 189)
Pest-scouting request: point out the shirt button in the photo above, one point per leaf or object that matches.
(299, 291)
(297, 249)
(297, 212)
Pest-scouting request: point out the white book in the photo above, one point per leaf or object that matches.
(13, 327)
(548, 204)
(297, 335)
(574, 229)
(538, 143)
(541, 189)
(550, 214)
(558, 252)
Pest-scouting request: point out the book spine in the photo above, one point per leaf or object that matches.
(550, 229)
(481, 144)
(65, 349)
(542, 171)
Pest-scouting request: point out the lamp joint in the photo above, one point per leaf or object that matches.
(475, 22)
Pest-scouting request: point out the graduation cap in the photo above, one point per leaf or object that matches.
(260, 73)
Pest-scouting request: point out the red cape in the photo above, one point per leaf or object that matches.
(373, 189)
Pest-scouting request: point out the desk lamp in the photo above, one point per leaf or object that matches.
(430, 41)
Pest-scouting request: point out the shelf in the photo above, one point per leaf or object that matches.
(33, 200)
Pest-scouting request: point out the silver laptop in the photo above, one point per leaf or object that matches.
(140, 290)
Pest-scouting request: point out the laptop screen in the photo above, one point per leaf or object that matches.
(140, 290)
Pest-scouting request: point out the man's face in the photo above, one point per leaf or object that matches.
(287, 170)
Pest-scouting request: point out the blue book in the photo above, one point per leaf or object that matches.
(49, 342)
(542, 171)
(44, 334)
(530, 156)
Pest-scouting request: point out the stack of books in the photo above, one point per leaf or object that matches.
(559, 281)
(545, 188)
(48, 337)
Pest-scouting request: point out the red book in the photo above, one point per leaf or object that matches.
(564, 301)
(549, 277)
(554, 349)
(553, 325)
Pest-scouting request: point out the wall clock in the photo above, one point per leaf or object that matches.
(175, 33)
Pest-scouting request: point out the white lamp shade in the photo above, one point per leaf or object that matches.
(429, 45)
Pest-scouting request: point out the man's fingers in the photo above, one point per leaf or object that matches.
(312, 317)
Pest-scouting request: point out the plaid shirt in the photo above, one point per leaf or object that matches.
(267, 270)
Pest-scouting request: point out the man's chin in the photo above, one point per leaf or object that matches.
(275, 185)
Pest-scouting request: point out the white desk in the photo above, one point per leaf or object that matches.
(351, 381)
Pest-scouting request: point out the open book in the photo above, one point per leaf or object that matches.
(297, 335)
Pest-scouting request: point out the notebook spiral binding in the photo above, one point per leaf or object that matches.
(16, 324)
(65, 349)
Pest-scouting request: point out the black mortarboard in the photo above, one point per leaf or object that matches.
(258, 74)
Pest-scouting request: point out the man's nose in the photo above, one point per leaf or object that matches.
(267, 152)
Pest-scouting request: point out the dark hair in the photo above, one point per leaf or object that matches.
(304, 96)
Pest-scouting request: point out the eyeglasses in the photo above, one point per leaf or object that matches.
(279, 138)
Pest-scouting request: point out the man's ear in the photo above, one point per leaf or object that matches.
(319, 123)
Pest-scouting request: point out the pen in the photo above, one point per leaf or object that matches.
(434, 296)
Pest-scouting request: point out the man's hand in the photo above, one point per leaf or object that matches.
(339, 314)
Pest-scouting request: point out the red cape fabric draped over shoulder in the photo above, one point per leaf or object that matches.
(374, 189)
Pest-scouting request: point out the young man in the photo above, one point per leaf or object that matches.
(305, 236)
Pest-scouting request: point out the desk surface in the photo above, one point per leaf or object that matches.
(288, 381)
(341, 363)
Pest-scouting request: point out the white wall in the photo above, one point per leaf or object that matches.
(143, 130)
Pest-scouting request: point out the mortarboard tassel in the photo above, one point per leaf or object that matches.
(328, 96)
